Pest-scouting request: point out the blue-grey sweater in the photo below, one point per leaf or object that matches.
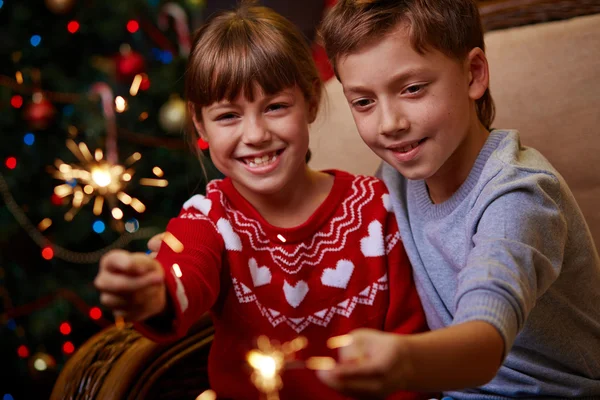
(510, 247)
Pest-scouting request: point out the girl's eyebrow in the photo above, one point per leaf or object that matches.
(219, 105)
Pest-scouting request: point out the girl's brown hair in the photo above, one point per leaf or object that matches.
(450, 26)
(251, 45)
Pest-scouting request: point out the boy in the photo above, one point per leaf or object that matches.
(503, 260)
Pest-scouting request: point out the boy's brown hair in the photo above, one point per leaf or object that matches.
(450, 26)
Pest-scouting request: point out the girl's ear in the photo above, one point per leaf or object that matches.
(479, 75)
(315, 100)
(198, 124)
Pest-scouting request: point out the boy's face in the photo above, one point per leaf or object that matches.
(413, 110)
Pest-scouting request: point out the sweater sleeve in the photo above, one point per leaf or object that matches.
(405, 313)
(518, 243)
(192, 276)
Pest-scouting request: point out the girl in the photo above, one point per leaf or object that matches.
(274, 249)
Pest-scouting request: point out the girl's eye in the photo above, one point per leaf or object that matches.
(362, 103)
(225, 117)
(276, 106)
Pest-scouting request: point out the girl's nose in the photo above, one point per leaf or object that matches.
(255, 133)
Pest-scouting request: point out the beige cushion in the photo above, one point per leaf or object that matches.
(545, 80)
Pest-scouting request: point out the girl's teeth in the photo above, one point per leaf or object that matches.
(257, 161)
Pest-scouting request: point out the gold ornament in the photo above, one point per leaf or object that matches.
(59, 6)
(172, 115)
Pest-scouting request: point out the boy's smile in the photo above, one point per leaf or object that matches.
(415, 111)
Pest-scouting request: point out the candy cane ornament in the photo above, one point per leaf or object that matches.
(181, 25)
(106, 95)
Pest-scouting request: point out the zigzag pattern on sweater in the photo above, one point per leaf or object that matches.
(330, 240)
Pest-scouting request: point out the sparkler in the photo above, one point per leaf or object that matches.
(270, 359)
(97, 177)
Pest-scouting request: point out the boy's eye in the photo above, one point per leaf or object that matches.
(414, 89)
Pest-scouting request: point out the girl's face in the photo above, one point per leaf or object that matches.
(261, 144)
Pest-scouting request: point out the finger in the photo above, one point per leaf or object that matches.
(117, 261)
(143, 263)
(118, 304)
(124, 262)
(155, 241)
(121, 284)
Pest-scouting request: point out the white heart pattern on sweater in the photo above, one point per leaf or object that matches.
(232, 240)
(200, 203)
(387, 202)
(260, 275)
(373, 245)
(339, 276)
(295, 294)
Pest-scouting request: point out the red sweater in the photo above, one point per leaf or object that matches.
(344, 268)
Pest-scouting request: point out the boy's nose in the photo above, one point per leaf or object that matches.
(392, 121)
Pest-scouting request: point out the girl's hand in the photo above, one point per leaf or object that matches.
(131, 284)
(154, 243)
(373, 365)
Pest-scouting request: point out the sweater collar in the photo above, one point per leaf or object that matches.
(421, 193)
(341, 185)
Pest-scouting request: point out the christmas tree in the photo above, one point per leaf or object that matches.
(93, 157)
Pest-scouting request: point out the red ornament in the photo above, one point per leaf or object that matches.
(39, 113)
(128, 64)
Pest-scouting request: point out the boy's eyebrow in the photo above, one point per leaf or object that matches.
(393, 80)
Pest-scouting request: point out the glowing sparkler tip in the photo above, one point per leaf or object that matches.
(339, 341)
(207, 395)
(101, 177)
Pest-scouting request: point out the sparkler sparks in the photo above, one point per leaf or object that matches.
(98, 179)
(270, 359)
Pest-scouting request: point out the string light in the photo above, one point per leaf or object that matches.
(98, 226)
(65, 328)
(35, 40)
(68, 347)
(29, 139)
(135, 85)
(133, 26)
(23, 351)
(73, 26)
(16, 101)
(11, 163)
(95, 313)
(120, 104)
(48, 253)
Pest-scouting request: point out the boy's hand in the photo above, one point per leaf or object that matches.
(131, 284)
(373, 365)
(154, 243)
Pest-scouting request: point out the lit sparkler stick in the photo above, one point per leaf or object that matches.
(174, 243)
